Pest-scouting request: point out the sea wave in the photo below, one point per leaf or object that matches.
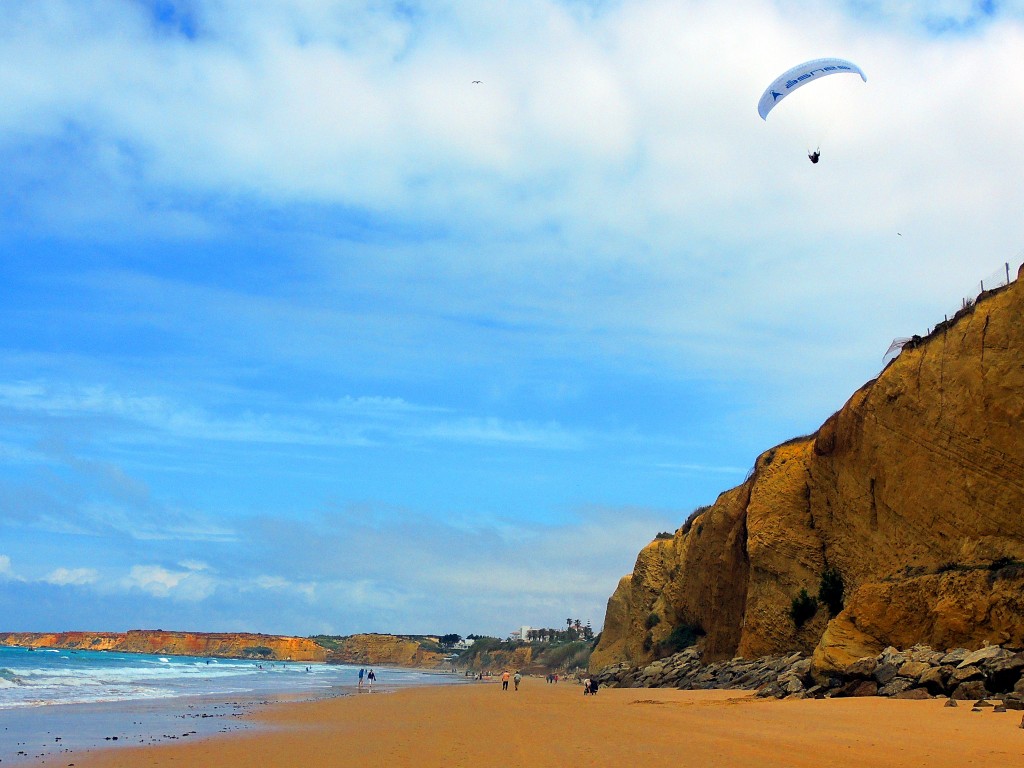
(9, 679)
(34, 679)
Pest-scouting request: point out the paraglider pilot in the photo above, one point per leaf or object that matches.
(814, 156)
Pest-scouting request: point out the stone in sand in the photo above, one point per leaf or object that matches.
(951, 703)
(914, 694)
(1012, 702)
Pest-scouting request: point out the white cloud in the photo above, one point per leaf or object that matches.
(629, 129)
(188, 585)
(398, 567)
(63, 577)
(358, 421)
(307, 590)
(5, 567)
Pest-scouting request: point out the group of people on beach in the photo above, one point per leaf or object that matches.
(369, 676)
(516, 679)
(589, 686)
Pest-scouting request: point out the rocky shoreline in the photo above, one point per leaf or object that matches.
(916, 673)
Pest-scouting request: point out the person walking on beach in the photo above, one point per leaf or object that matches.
(370, 677)
(517, 679)
(504, 680)
(361, 673)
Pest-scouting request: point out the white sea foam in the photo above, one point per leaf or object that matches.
(112, 691)
(34, 679)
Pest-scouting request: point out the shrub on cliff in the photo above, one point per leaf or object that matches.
(802, 608)
(830, 591)
(1005, 568)
(688, 524)
(681, 638)
(565, 656)
(258, 650)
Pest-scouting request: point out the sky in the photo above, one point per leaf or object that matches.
(303, 330)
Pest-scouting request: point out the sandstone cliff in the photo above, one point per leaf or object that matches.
(219, 644)
(912, 494)
(383, 650)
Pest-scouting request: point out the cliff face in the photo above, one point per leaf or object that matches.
(223, 645)
(383, 650)
(912, 492)
(496, 661)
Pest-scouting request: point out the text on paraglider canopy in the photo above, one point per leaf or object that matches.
(812, 73)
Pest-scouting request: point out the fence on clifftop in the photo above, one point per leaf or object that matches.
(993, 281)
(997, 279)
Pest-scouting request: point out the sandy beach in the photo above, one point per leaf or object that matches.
(555, 725)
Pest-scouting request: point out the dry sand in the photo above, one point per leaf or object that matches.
(542, 725)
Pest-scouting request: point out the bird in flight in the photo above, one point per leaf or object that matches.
(477, 81)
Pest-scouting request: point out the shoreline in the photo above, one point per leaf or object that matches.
(55, 703)
(36, 735)
(554, 724)
(44, 732)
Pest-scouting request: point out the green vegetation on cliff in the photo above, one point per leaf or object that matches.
(429, 643)
(492, 654)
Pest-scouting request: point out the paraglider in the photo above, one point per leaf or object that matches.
(799, 76)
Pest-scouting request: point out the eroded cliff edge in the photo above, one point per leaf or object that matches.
(158, 641)
(913, 493)
(370, 649)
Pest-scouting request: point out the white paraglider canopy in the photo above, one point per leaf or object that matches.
(800, 75)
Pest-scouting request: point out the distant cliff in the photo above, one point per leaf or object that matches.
(218, 644)
(904, 511)
(489, 654)
(384, 650)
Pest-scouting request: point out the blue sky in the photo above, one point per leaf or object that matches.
(303, 331)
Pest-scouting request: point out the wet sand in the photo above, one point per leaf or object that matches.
(555, 725)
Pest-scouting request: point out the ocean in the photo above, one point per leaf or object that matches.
(55, 702)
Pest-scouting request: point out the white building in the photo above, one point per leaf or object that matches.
(522, 634)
